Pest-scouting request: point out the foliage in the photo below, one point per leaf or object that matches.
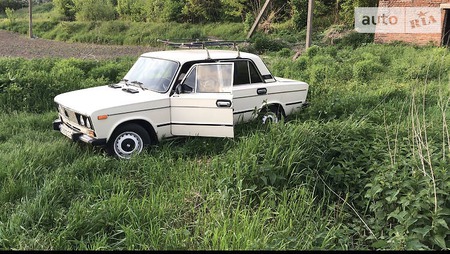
(65, 9)
(293, 12)
(364, 167)
(347, 13)
(263, 43)
(131, 10)
(200, 11)
(11, 16)
(12, 4)
(397, 180)
(299, 13)
(94, 10)
(31, 84)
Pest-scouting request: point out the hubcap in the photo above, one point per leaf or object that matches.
(127, 144)
(269, 117)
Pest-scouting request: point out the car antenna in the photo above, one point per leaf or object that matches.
(207, 54)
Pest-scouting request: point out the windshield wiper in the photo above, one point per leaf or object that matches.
(140, 84)
(117, 85)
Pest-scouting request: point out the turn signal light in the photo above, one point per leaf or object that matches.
(102, 117)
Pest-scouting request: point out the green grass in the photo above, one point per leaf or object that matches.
(364, 167)
(47, 25)
(125, 32)
(60, 195)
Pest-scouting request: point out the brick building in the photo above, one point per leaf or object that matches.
(440, 38)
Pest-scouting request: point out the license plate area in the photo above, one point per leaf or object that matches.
(66, 131)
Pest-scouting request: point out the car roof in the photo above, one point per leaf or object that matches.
(198, 54)
(183, 56)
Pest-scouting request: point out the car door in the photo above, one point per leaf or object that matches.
(249, 90)
(203, 106)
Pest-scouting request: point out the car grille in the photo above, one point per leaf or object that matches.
(75, 118)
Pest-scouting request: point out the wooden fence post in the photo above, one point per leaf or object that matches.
(309, 23)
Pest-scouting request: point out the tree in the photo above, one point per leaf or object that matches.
(299, 13)
(233, 10)
(65, 9)
(165, 10)
(201, 11)
(12, 4)
(134, 10)
(347, 11)
(94, 10)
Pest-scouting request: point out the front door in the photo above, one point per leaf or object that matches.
(204, 105)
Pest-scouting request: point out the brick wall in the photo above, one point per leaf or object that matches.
(418, 39)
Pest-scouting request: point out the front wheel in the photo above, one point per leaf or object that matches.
(128, 140)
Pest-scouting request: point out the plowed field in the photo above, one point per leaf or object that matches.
(16, 45)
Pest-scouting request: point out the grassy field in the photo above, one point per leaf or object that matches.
(364, 167)
(117, 32)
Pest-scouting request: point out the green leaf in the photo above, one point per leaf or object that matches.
(440, 241)
(442, 222)
(380, 244)
(264, 179)
(272, 178)
(393, 196)
(422, 231)
(416, 245)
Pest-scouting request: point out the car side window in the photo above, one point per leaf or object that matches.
(209, 78)
(245, 72)
(241, 75)
(254, 75)
(189, 82)
(214, 78)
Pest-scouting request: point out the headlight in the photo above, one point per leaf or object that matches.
(84, 121)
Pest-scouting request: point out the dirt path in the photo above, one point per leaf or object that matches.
(16, 45)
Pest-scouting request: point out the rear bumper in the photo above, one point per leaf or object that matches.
(76, 135)
(305, 104)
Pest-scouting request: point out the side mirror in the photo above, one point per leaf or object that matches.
(183, 88)
(178, 89)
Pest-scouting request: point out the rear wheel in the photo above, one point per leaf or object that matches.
(128, 140)
(271, 114)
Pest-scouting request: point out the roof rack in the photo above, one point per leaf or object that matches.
(200, 44)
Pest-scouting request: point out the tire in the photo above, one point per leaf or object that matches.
(271, 114)
(128, 140)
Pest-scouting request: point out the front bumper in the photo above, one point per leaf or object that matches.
(75, 135)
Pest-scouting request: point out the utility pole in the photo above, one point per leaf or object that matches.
(309, 23)
(255, 24)
(30, 10)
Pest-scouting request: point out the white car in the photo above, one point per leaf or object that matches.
(177, 93)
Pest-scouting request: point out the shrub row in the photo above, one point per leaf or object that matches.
(30, 85)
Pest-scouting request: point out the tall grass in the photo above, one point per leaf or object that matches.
(364, 167)
(120, 32)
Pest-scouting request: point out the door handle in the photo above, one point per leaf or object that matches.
(223, 103)
(261, 91)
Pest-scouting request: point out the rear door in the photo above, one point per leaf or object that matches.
(205, 106)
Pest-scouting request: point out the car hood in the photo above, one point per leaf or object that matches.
(87, 101)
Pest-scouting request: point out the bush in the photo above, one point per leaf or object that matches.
(12, 4)
(30, 85)
(65, 9)
(355, 39)
(263, 43)
(132, 10)
(11, 16)
(94, 10)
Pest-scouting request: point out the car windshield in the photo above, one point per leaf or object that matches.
(152, 74)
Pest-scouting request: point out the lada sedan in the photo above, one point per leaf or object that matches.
(177, 93)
